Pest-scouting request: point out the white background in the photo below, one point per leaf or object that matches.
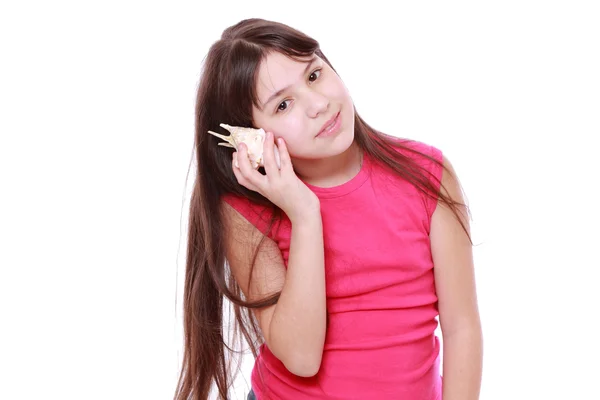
(96, 125)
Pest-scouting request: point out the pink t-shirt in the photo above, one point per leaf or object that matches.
(381, 299)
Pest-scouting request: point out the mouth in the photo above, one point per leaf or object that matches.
(330, 126)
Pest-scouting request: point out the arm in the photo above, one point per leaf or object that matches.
(294, 328)
(457, 298)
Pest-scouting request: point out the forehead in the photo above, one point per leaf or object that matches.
(276, 71)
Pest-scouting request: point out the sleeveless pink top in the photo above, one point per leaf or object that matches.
(381, 299)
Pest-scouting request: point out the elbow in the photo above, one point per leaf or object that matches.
(304, 366)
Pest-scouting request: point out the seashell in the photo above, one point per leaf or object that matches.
(252, 138)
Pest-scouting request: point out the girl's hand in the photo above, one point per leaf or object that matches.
(280, 185)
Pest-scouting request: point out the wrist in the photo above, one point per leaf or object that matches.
(306, 214)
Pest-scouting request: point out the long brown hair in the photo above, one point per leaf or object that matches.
(226, 93)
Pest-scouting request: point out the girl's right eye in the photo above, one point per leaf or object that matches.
(282, 106)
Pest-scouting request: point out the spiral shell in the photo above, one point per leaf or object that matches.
(254, 140)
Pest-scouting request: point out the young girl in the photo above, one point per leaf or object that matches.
(339, 257)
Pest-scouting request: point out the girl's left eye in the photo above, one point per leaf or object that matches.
(315, 75)
(282, 106)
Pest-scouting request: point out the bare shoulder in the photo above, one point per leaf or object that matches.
(444, 223)
(452, 255)
(451, 185)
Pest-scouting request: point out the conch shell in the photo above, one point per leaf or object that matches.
(252, 138)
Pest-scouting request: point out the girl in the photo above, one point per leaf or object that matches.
(340, 259)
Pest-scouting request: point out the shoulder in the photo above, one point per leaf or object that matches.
(452, 254)
(450, 183)
(422, 152)
(261, 216)
(423, 165)
(427, 157)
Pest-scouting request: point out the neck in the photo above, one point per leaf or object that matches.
(332, 171)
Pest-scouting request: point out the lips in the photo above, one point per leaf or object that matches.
(328, 123)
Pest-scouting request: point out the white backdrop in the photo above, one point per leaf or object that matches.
(96, 125)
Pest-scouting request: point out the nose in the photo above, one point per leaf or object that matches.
(316, 103)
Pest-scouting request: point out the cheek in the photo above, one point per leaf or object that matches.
(289, 128)
(336, 88)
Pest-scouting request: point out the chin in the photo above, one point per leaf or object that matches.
(345, 140)
(349, 130)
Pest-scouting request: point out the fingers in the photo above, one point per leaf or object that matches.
(284, 156)
(236, 163)
(273, 157)
(269, 162)
(248, 174)
(238, 174)
(277, 157)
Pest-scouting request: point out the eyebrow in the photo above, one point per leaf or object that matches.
(279, 92)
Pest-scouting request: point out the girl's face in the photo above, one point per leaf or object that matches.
(306, 104)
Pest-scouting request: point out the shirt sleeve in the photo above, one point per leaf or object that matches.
(259, 216)
(434, 170)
